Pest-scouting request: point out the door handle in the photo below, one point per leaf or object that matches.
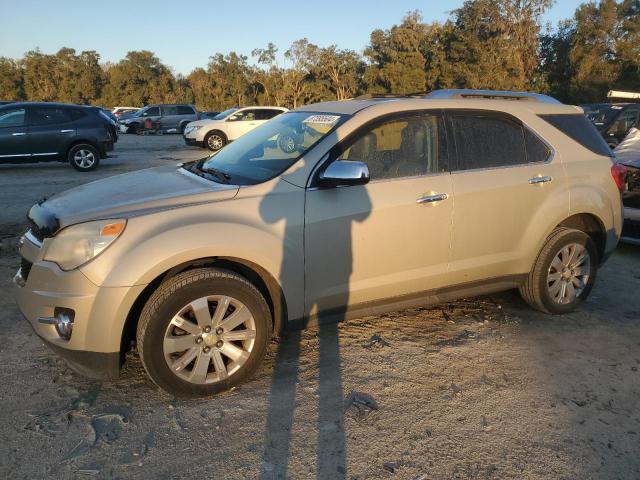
(437, 197)
(539, 180)
(18, 134)
(66, 131)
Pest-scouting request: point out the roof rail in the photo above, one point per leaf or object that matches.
(491, 95)
(375, 96)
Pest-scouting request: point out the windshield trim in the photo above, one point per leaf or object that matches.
(251, 181)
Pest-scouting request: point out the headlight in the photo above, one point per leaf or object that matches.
(77, 244)
(193, 128)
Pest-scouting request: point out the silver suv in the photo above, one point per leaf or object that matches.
(165, 117)
(327, 212)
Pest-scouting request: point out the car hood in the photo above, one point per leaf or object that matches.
(131, 194)
(201, 123)
(628, 151)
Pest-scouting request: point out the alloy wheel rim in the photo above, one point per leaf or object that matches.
(568, 274)
(209, 339)
(84, 158)
(215, 142)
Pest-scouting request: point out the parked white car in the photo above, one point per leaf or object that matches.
(227, 126)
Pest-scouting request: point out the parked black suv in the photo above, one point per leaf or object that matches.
(38, 131)
(613, 120)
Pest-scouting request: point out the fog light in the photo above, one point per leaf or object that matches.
(63, 321)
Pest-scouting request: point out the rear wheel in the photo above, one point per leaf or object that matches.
(214, 141)
(203, 331)
(83, 157)
(564, 272)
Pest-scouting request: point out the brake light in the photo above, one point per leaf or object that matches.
(619, 174)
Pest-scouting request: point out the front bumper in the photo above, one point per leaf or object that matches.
(192, 142)
(94, 348)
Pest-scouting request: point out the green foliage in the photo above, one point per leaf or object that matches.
(497, 44)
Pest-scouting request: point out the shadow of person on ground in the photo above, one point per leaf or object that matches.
(325, 307)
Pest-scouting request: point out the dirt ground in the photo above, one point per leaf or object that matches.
(477, 389)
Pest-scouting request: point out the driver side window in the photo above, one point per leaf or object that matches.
(403, 147)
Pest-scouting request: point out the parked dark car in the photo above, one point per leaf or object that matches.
(628, 154)
(613, 120)
(34, 132)
(167, 117)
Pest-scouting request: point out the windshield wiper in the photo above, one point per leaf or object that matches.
(196, 167)
(225, 177)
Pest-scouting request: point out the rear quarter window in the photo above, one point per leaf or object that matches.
(580, 129)
(184, 110)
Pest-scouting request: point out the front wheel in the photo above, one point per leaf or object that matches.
(214, 141)
(203, 331)
(83, 157)
(564, 272)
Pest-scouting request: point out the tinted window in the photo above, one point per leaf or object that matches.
(537, 150)
(266, 114)
(184, 110)
(487, 141)
(50, 115)
(13, 117)
(403, 147)
(151, 112)
(627, 120)
(580, 129)
(77, 114)
(166, 111)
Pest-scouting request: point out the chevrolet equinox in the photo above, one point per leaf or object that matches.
(327, 212)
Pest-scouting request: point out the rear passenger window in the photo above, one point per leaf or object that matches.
(169, 111)
(580, 129)
(50, 115)
(402, 147)
(537, 150)
(185, 110)
(487, 141)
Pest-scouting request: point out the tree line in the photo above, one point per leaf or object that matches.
(497, 44)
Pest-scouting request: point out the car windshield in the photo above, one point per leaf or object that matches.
(271, 148)
(225, 114)
(602, 114)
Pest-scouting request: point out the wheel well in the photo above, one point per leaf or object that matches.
(219, 132)
(592, 226)
(259, 277)
(80, 142)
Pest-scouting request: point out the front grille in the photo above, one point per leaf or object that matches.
(25, 268)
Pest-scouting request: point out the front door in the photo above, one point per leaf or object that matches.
(13, 134)
(389, 238)
(49, 130)
(241, 122)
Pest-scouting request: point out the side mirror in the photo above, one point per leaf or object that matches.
(233, 118)
(343, 173)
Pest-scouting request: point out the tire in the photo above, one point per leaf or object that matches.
(134, 128)
(84, 157)
(215, 140)
(543, 289)
(161, 339)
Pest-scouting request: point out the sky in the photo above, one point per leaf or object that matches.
(184, 34)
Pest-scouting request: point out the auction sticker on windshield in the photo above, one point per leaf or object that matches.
(322, 119)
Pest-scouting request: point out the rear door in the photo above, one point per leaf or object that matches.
(50, 129)
(169, 117)
(13, 134)
(502, 177)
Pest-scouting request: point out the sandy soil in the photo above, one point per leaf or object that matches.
(481, 388)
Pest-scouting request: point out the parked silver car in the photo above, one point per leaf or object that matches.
(165, 117)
